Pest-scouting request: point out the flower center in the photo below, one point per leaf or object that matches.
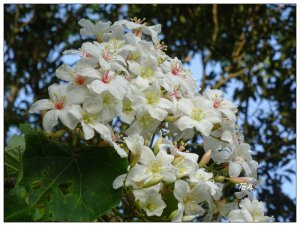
(106, 99)
(146, 121)
(80, 80)
(152, 98)
(147, 72)
(106, 76)
(88, 118)
(151, 206)
(197, 114)
(154, 168)
(176, 69)
(216, 104)
(106, 55)
(127, 106)
(85, 54)
(59, 105)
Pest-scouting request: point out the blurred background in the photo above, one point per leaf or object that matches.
(247, 51)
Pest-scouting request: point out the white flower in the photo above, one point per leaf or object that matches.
(168, 146)
(185, 168)
(150, 200)
(105, 104)
(189, 200)
(127, 113)
(62, 97)
(225, 106)
(89, 29)
(153, 169)
(66, 73)
(135, 144)
(144, 124)
(199, 113)
(243, 160)
(176, 76)
(139, 28)
(251, 211)
(90, 122)
(146, 69)
(203, 177)
(108, 58)
(107, 81)
(152, 102)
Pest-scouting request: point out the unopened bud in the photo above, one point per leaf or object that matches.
(170, 118)
(59, 133)
(219, 179)
(80, 134)
(205, 158)
(177, 160)
(238, 180)
(172, 215)
(156, 146)
(153, 182)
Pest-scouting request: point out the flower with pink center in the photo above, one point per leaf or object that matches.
(66, 73)
(62, 97)
(221, 104)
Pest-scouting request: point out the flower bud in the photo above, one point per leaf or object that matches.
(170, 118)
(172, 215)
(238, 180)
(177, 160)
(153, 182)
(156, 146)
(219, 179)
(59, 133)
(205, 158)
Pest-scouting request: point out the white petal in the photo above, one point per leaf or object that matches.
(50, 120)
(87, 130)
(178, 216)
(102, 130)
(119, 181)
(64, 72)
(76, 96)
(165, 104)
(118, 87)
(147, 156)
(227, 136)
(204, 126)
(88, 27)
(76, 111)
(97, 86)
(229, 113)
(89, 72)
(181, 189)
(234, 169)
(135, 68)
(185, 122)
(44, 104)
(240, 216)
(157, 113)
(67, 119)
(186, 106)
(120, 151)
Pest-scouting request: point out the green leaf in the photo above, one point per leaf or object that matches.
(13, 157)
(69, 184)
(15, 206)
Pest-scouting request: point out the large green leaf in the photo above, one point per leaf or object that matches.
(69, 184)
(13, 157)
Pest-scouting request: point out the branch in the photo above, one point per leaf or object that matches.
(222, 81)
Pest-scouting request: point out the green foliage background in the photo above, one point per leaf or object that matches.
(253, 47)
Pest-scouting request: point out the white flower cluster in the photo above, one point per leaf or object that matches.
(126, 74)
